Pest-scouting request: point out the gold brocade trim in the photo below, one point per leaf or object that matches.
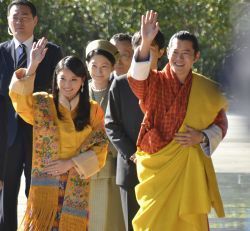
(43, 198)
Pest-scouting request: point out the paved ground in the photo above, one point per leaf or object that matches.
(232, 164)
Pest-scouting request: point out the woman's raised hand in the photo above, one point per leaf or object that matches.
(37, 54)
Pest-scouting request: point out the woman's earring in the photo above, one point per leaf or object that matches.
(82, 88)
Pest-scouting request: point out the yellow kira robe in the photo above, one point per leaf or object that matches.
(86, 163)
(70, 139)
(178, 184)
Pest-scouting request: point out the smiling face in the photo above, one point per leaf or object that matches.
(21, 22)
(100, 69)
(181, 57)
(68, 83)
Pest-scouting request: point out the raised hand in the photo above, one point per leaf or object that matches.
(149, 27)
(37, 54)
(38, 51)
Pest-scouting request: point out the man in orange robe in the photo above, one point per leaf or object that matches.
(184, 122)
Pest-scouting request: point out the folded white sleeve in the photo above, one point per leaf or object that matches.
(86, 164)
(139, 70)
(214, 134)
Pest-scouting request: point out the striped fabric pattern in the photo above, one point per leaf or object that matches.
(22, 60)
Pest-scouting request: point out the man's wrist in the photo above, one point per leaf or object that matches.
(205, 139)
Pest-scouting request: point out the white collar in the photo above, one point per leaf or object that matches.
(28, 43)
(70, 105)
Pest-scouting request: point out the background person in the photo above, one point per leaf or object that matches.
(123, 44)
(22, 20)
(157, 48)
(105, 204)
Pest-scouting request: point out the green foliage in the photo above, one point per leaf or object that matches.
(73, 23)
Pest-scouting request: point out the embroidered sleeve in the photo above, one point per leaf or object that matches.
(21, 84)
(86, 164)
(221, 121)
(93, 153)
(21, 95)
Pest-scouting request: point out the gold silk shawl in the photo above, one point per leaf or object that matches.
(43, 196)
(178, 184)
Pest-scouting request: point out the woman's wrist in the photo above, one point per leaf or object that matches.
(27, 75)
(72, 164)
(31, 70)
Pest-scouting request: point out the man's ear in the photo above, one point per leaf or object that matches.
(197, 56)
(35, 20)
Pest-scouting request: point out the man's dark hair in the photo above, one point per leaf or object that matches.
(120, 37)
(23, 3)
(185, 35)
(159, 39)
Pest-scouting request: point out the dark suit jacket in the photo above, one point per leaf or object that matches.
(3, 137)
(122, 122)
(42, 83)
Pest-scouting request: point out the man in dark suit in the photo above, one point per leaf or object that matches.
(22, 19)
(123, 120)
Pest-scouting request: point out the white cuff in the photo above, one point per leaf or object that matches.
(139, 70)
(214, 134)
(86, 164)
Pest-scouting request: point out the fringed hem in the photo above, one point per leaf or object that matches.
(69, 222)
(41, 209)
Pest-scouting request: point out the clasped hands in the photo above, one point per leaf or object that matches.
(58, 167)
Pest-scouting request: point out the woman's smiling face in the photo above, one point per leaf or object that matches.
(100, 68)
(68, 83)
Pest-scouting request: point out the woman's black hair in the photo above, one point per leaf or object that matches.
(104, 53)
(75, 65)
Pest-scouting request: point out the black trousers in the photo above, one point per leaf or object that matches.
(18, 159)
(129, 205)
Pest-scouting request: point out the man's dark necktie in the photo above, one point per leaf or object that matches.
(12, 115)
(22, 60)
